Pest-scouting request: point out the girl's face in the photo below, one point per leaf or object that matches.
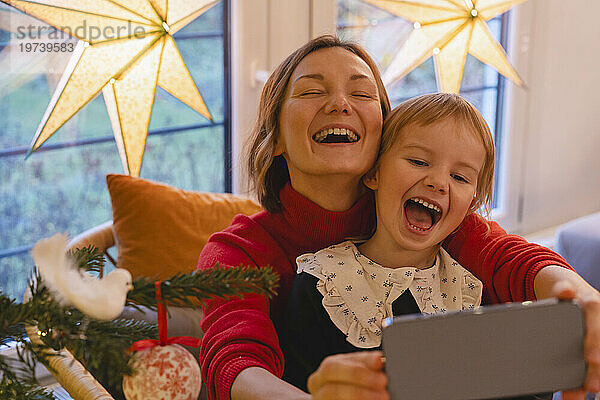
(424, 184)
(330, 121)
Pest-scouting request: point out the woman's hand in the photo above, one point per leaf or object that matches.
(350, 376)
(590, 302)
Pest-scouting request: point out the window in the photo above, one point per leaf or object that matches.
(61, 187)
(381, 33)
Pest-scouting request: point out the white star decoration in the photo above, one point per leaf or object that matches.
(125, 50)
(448, 30)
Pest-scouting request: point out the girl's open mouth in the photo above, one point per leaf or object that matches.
(421, 215)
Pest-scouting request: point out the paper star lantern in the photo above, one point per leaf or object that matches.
(125, 50)
(448, 30)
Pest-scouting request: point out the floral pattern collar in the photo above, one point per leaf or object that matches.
(358, 293)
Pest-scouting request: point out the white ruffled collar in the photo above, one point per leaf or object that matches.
(358, 293)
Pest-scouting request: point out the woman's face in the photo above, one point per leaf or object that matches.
(330, 121)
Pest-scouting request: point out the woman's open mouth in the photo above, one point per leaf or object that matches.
(421, 215)
(336, 135)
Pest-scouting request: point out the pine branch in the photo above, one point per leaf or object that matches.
(192, 290)
(105, 343)
(102, 345)
(97, 343)
(14, 387)
(88, 258)
(8, 330)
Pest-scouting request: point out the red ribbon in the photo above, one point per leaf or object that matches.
(163, 339)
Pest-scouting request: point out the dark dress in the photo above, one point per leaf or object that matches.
(307, 335)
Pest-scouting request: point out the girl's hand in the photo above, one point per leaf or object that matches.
(350, 376)
(590, 302)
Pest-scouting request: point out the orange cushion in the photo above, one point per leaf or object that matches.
(160, 230)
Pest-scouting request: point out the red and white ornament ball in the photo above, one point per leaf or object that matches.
(163, 373)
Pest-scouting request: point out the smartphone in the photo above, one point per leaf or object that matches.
(491, 352)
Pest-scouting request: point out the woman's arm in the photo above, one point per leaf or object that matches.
(241, 359)
(547, 278)
(506, 264)
(257, 384)
(554, 281)
(351, 376)
(238, 332)
(514, 270)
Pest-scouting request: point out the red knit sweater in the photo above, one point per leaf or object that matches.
(239, 333)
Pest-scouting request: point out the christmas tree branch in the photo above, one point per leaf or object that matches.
(14, 387)
(102, 345)
(88, 258)
(192, 290)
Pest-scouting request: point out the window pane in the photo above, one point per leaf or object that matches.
(485, 102)
(190, 160)
(15, 271)
(64, 189)
(210, 21)
(419, 81)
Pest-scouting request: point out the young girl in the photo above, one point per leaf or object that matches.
(435, 166)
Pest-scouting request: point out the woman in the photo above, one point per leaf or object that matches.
(317, 133)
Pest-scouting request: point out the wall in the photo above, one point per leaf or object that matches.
(554, 124)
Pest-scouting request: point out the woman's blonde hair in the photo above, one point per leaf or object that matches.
(430, 108)
(269, 173)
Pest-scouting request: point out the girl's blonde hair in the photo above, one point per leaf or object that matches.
(269, 173)
(430, 108)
